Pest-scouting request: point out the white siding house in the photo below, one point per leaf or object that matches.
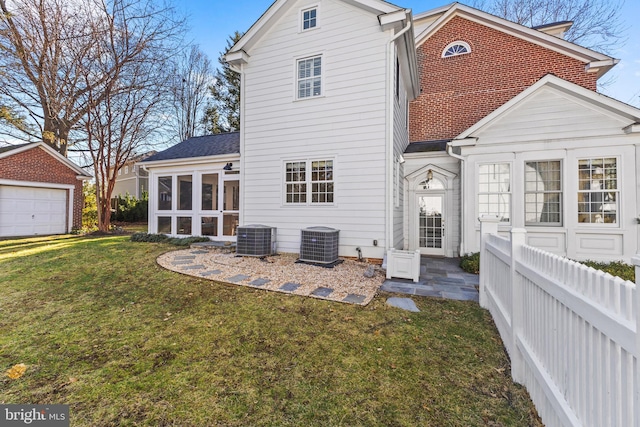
(560, 161)
(324, 123)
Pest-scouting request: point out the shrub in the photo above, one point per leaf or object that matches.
(161, 238)
(130, 209)
(471, 263)
(615, 268)
(90, 208)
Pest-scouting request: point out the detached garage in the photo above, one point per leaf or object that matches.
(40, 191)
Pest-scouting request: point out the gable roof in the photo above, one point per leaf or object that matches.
(612, 106)
(595, 62)
(15, 149)
(200, 146)
(389, 16)
(278, 9)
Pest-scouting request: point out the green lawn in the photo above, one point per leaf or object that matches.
(105, 330)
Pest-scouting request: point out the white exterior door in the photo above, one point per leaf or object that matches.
(431, 235)
(27, 211)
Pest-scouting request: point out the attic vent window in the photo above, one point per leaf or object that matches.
(309, 18)
(456, 48)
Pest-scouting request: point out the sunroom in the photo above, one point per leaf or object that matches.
(194, 188)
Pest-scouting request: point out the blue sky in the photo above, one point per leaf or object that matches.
(211, 22)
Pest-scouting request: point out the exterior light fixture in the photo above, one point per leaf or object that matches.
(228, 166)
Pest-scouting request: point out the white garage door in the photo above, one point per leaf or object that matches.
(27, 211)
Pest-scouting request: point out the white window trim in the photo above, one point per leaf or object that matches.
(510, 192)
(308, 181)
(322, 76)
(301, 18)
(460, 42)
(562, 193)
(618, 190)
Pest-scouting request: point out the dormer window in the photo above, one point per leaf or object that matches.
(309, 18)
(456, 48)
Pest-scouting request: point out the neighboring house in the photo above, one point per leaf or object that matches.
(131, 178)
(40, 191)
(504, 120)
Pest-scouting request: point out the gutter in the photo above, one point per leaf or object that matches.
(462, 192)
(390, 97)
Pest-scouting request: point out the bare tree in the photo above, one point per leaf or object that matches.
(47, 51)
(126, 111)
(596, 23)
(192, 76)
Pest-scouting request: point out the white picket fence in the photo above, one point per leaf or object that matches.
(571, 331)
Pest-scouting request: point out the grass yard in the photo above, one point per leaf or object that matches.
(105, 330)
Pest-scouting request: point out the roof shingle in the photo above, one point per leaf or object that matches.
(201, 146)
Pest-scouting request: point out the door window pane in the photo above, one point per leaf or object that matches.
(231, 196)
(184, 225)
(209, 226)
(185, 187)
(210, 192)
(164, 224)
(164, 193)
(230, 224)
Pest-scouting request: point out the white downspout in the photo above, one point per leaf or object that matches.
(390, 146)
(462, 199)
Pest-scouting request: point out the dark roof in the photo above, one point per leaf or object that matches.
(12, 147)
(427, 146)
(201, 146)
(551, 24)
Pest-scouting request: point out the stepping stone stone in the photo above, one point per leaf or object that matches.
(181, 262)
(399, 288)
(199, 252)
(428, 293)
(403, 303)
(183, 257)
(194, 267)
(354, 298)
(210, 272)
(461, 296)
(290, 287)
(322, 292)
(259, 282)
(237, 278)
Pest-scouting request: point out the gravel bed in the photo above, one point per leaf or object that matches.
(345, 278)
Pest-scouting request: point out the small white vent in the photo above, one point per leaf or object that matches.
(319, 244)
(256, 240)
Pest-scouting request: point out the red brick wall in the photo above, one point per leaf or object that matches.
(459, 91)
(36, 165)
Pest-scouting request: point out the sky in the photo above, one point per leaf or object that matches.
(211, 23)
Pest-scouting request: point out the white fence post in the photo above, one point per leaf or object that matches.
(488, 225)
(636, 354)
(518, 239)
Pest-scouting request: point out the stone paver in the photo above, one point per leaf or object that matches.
(403, 303)
(183, 257)
(210, 272)
(194, 267)
(354, 298)
(237, 278)
(322, 292)
(259, 282)
(183, 262)
(290, 287)
(439, 278)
